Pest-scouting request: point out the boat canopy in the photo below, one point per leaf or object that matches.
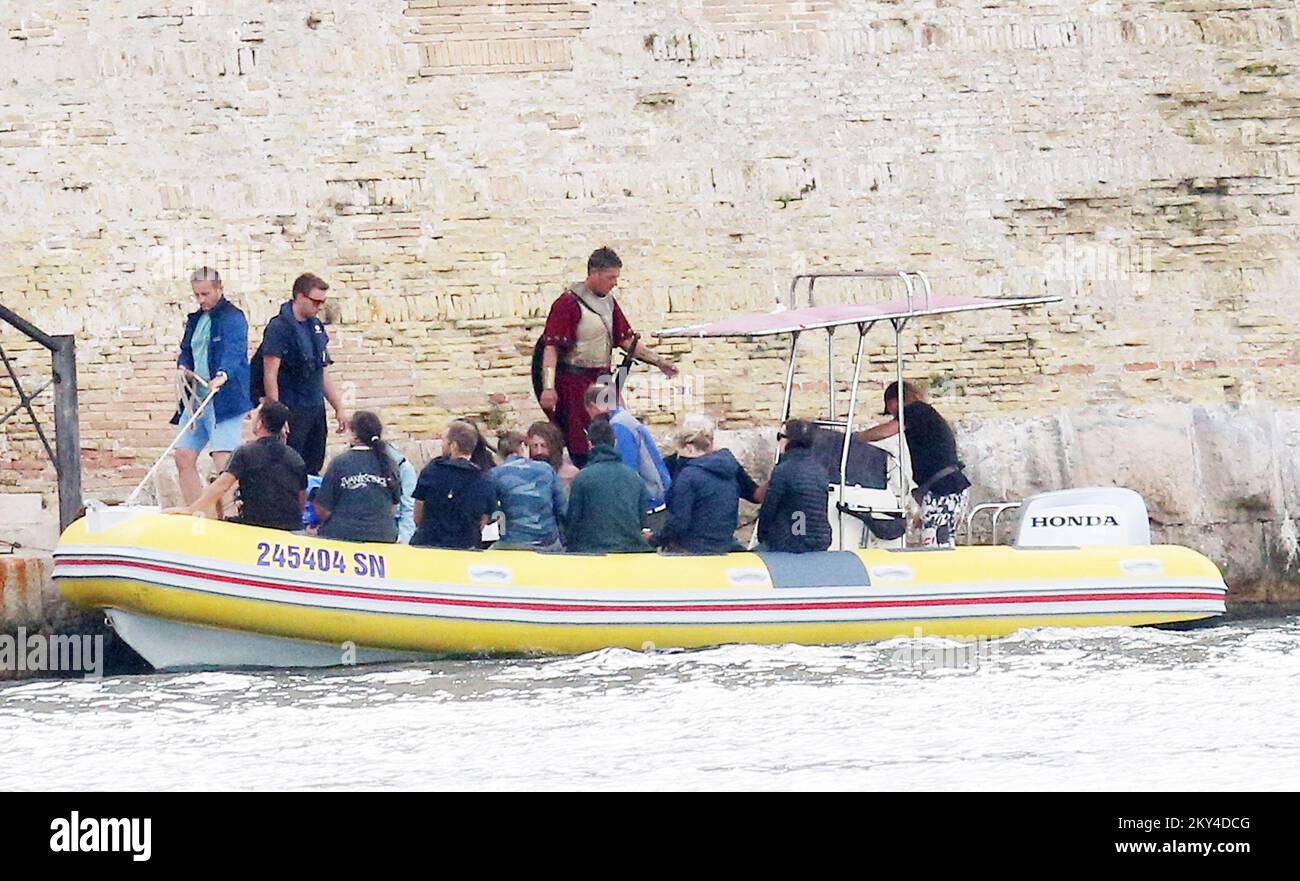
(802, 313)
(785, 320)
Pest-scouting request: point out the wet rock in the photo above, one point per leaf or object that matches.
(1236, 465)
(1146, 449)
(1009, 459)
(1286, 437)
(28, 595)
(754, 448)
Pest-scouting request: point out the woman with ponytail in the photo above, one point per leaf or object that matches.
(361, 488)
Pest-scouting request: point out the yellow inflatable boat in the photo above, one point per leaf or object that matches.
(186, 592)
(192, 593)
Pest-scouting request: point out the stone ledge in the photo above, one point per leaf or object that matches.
(28, 596)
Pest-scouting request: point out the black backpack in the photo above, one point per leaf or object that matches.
(256, 377)
(257, 369)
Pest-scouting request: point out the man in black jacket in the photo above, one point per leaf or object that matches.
(793, 517)
(296, 363)
(453, 498)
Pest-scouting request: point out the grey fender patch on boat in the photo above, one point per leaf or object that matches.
(817, 569)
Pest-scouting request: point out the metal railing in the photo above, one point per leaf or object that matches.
(995, 511)
(906, 276)
(65, 453)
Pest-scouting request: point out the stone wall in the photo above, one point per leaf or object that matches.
(447, 165)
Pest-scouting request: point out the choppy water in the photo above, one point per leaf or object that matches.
(1119, 708)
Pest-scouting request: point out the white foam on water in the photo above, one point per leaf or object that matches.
(1113, 708)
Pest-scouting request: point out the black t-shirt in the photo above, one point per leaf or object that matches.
(933, 447)
(456, 496)
(359, 498)
(270, 475)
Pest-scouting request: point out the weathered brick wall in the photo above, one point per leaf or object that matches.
(447, 165)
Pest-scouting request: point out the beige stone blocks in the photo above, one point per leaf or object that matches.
(495, 36)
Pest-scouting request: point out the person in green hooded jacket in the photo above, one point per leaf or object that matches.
(607, 502)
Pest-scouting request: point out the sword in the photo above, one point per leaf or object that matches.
(624, 368)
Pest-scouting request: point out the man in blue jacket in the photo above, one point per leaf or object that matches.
(214, 355)
(531, 497)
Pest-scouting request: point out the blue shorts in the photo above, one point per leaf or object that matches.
(218, 437)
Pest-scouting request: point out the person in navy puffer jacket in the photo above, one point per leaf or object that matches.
(704, 498)
(794, 513)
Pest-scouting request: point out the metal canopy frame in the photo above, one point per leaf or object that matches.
(920, 303)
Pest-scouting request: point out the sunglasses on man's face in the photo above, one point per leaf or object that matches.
(320, 302)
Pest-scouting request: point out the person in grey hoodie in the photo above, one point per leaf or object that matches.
(704, 498)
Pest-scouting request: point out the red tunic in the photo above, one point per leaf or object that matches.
(572, 383)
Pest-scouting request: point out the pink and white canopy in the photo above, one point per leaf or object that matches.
(821, 317)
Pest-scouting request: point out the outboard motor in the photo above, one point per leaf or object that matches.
(1111, 516)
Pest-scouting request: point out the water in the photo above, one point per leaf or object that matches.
(1117, 708)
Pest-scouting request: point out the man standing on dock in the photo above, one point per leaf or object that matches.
(584, 326)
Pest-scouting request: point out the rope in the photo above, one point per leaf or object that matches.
(130, 500)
